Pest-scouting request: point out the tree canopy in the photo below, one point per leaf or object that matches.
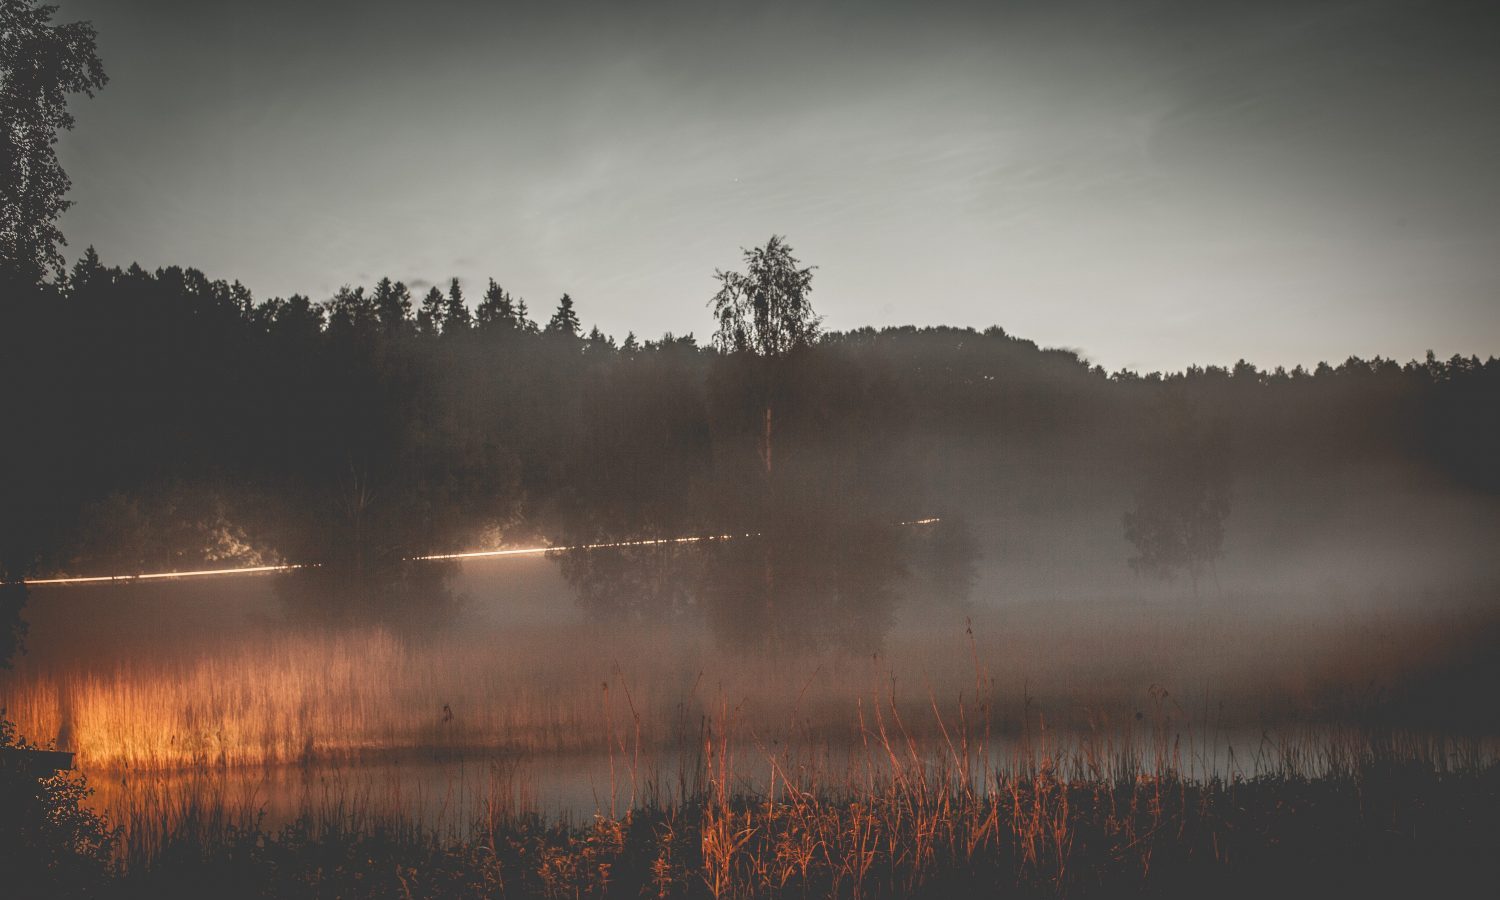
(163, 419)
(765, 309)
(40, 65)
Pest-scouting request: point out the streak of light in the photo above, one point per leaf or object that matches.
(148, 576)
(470, 554)
(535, 551)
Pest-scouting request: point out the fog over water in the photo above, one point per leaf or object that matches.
(1097, 389)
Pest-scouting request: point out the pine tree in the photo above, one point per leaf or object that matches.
(430, 316)
(456, 316)
(598, 342)
(86, 271)
(564, 322)
(392, 305)
(350, 311)
(497, 310)
(523, 319)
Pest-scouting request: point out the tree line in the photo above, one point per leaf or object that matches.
(163, 419)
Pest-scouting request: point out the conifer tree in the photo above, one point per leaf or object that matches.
(564, 322)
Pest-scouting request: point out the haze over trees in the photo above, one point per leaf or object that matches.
(924, 584)
(159, 420)
(1177, 522)
(172, 420)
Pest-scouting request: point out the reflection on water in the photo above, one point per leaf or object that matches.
(808, 580)
(184, 694)
(447, 795)
(451, 796)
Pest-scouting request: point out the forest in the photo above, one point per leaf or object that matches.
(162, 421)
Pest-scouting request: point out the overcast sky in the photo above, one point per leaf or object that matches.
(1153, 183)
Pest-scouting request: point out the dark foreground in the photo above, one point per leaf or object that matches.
(1373, 823)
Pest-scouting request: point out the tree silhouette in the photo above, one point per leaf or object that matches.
(262, 410)
(765, 309)
(564, 322)
(430, 317)
(523, 318)
(40, 64)
(497, 310)
(392, 305)
(456, 318)
(765, 312)
(351, 312)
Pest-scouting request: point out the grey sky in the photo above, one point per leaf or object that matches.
(1153, 183)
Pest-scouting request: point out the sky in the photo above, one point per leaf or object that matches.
(1154, 184)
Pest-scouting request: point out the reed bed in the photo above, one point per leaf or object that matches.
(282, 763)
(275, 696)
(1358, 814)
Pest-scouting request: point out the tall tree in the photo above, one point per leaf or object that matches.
(40, 65)
(392, 305)
(456, 317)
(523, 318)
(351, 312)
(564, 322)
(430, 316)
(497, 309)
(765, 311)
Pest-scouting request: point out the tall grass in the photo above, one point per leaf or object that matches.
(273, 696)
(300, 764)
(1048, 818)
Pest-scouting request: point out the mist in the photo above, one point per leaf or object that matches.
(708, 450)
(676, 515)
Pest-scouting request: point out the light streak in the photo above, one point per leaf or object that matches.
(434, 557)
(536, 551)
(149, 576)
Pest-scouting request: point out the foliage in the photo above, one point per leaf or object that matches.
(456, 317)
(564, 323)
(497, 309)
(40, 65)
(765, 309)
(51, 845)
(355, 433)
